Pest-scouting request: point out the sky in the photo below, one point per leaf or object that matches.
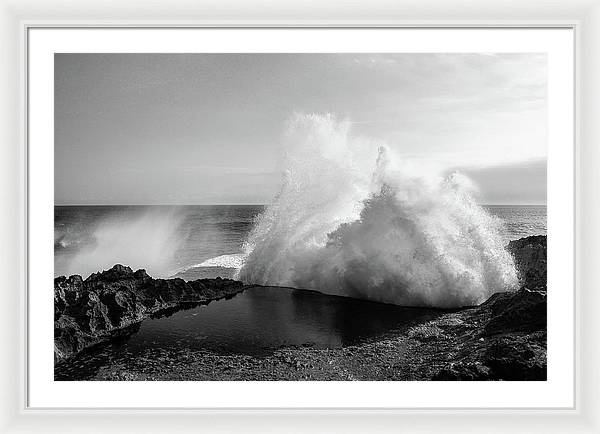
(207, 128)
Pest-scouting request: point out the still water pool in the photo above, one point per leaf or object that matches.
(255, 322)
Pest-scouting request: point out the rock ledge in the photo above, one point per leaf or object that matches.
(106, 304)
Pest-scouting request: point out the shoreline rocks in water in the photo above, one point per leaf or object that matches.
(504, 338)
(106, 304)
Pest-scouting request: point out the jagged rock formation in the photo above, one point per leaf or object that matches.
(109, 303)
(521, 311)
(530, 259)
(508, 343)
(512, 338)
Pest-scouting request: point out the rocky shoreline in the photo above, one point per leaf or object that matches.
(504, 338)
(107, 304)
(451, 346)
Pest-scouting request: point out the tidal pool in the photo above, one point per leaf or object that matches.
(256, 322)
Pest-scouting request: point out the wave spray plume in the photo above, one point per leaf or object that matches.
(148, 238)
(351, 220)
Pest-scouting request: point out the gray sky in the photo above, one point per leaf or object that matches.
(207, 128)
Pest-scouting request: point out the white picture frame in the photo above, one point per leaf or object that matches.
(584, 17)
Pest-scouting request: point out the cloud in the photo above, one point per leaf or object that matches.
(523, 183)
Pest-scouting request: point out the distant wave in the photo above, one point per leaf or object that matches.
(355, 221)
(234, 261)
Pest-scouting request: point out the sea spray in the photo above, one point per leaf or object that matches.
(352, 219)
(147, 238)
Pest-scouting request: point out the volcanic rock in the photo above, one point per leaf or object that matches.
(530, 254)
(107, 304)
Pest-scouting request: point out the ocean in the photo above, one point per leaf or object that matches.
(192, 242)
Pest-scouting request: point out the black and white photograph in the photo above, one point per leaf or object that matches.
(300, 216)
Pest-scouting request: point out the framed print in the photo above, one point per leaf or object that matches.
(263, 222)
(375, 221)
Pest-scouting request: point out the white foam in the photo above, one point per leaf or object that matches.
(352, 219)
(235, 260)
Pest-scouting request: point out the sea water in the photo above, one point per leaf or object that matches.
(192, 242)
(189, 242)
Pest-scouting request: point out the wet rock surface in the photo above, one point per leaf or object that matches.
(504, 338)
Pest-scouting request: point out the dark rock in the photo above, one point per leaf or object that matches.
(530, 259)
(509, 340)
(520, 311)
(518, 357)
(94, 310)
(117, 272)
(463, 372)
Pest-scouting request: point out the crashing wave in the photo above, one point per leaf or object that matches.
(354, 221)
